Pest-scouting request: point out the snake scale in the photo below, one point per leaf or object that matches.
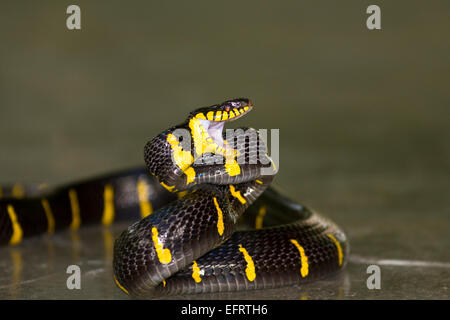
(206, 217)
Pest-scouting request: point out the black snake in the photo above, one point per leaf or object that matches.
(191, 233)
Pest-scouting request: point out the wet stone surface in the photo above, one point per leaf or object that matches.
(362, 115)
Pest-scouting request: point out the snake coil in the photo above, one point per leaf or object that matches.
(207, 219)
(191, 245)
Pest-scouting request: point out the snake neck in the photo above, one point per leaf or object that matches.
(195, 153)
(207, 137)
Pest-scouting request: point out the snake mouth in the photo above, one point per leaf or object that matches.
(213, 118)
(215, 127)
(215, 132)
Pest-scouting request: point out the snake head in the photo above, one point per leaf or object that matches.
(224, 112)
(211, 122)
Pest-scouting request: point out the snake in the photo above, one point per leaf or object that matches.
(205, 217)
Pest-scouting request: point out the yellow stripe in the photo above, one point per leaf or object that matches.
(304, 270)
(17, 229)
(237, 194)
(49, 215)
(183, 159)
(210, 115)
(108, 208)
(181, 194)
(200, 116)
(202, 140)
(190, 174)
(218, 116)
(76, 219)
(164, 283)
(196, 272)
(164, 255)
(224, 115)
(108, 243)
(259, 181)
(339, 249)
(18, 191)
(220, 226)
(17, 264)
(168, 187)
(250, 270)
(260, 217)
(232, 167)
(143, 195)
(120, 286)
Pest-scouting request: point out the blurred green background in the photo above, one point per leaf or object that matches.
(363, 115)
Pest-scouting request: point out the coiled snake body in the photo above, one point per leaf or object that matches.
(189, 209)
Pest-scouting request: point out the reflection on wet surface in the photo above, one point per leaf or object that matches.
(36, 269)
